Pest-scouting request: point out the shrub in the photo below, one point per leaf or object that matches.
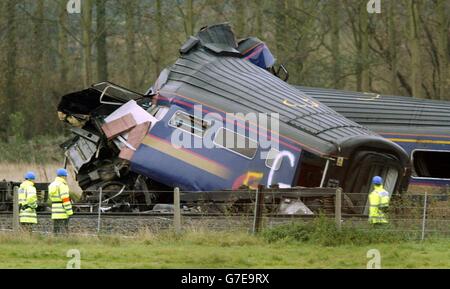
(323, 231)
(301, 232)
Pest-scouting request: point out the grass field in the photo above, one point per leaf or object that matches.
(212, 250)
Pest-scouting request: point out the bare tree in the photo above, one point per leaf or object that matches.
(188, 16)
(240, 8)
(335, 9)
(160, 36)
(364, 51)
(258, 8)
(280, 27)
(442, 11)
(414, 26)
(102, 52)
(392, 31)
(11, 55)
(63, 42)
(87, 40)
(130, 10)
(38, 45)
(323, 43)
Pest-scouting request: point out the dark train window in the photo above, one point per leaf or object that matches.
(189, 123)
(311, 170)
(432, 164)
(238, 144)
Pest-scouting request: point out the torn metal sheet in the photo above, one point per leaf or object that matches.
(294, 207)
(86, 134)
(119, 125)
(126, 154)
(135, 137)
(81, 152)
(139, 114)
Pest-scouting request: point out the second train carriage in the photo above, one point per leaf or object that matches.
(311, 146)
(420, 126)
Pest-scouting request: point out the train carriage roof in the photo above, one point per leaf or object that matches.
(211, 71)
(388, 113)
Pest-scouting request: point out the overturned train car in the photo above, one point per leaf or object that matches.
(200, 109)
(420, 126)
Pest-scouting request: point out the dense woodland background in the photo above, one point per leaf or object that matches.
(46, 52)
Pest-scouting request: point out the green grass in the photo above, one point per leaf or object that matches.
(202, 249)
(323, 231)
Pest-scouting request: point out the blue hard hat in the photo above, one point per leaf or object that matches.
(61, 173)
(30, 176)
(377, 180)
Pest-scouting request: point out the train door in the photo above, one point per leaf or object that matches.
(311, 169)
(365, 166)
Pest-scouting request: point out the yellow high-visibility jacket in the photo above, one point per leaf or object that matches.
(378, 198)
(28, 201)
(58, 192)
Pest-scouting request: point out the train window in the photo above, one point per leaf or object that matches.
(311, 170)
(236, 143)
(271, 155)
(189, 123)
(431, 164)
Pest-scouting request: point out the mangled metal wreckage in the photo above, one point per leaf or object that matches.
(122, 139)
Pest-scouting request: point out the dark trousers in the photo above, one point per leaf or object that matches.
(379, 225)
(26, 227)
(61, 227)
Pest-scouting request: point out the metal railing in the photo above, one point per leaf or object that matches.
(422, 215)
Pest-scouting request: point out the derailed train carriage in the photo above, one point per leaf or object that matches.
(420, 126)
(312, 145)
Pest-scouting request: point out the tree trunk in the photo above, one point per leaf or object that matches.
(11, 56)
(335, 42)
(62, 43)
(416, 74)
(443, 52)
(38, 46)
(160, 35)
(259, 15)
(364, 32)
(130, 10)
(189, 21)
(37, 111)
(240, 7)
(392, 48)
(102, 52)
(86, 27)
(280, 29)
